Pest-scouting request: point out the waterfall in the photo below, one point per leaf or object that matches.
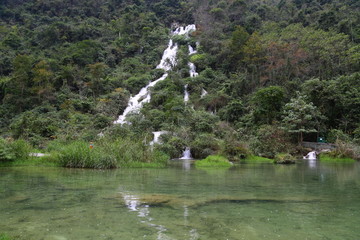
(191, 50)
(203, 93)
(311, 155)
(186, 94)
(186, 154)
(168, 60)
(192, 70)
(157, 136)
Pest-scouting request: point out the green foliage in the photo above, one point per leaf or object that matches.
(215, 161)
(67, 71)
(107, 153)
(268, 104)
(253, 158)
(270, 140)
(14, 150)
(79, 155)
(6, 153)
(284, 158)
(4, 236)
(204, 145)
(300, 116)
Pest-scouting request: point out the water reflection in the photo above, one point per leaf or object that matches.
(248, 201)
(312, 163)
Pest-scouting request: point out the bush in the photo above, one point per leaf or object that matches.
(343, 150)
(79, 155)
(21, 149)
(204, 145)
(6, 153)
(284, 158)
(108, 153)
(269, 141)
(213, 161)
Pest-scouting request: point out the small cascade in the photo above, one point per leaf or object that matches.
(186, 154)
(186, 94)
(168, 60)
(157, 136)
(311, 155)
(192, 70)
(185, 30)
(191, 50)
(203, 93)
(136, 102)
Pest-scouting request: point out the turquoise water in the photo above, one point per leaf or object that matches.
(249, 201)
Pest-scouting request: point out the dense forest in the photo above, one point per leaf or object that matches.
(276, 73)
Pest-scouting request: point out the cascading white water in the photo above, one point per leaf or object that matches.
(157, 136)
(311, 155)
(185, 30)
(191, 50)
(186, 154)
(203, 93)
(186, 94)
(192, 70)
(168, 60)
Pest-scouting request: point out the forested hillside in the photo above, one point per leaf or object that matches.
(276, 72)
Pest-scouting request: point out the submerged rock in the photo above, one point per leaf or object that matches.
(173, 201)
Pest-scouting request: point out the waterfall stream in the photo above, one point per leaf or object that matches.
(168, 61)
(186, 154)
(186, 94)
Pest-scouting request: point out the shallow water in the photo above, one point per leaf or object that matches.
(251, 201)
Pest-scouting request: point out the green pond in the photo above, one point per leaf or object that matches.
(308, 200)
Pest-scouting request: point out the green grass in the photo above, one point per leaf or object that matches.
(330, 159)
(106, 153)
(3, 236)
(214, 161)
(31, 161)
(252, 158)
(79, 155)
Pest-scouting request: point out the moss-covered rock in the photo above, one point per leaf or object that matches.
(214, 161)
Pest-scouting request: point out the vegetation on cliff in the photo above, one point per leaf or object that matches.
(276, 73)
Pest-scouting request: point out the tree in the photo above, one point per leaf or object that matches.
(43, 78)
(300, 116)
(268, 103)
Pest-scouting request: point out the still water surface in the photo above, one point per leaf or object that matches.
(250, 201)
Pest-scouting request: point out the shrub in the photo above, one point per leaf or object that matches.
(213, 161)
(79, 155)
(284, 158)
(269, 141)
(6, 153)
(204, 145)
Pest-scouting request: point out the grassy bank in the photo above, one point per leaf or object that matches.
(257, 159)
(331, 159)
(104, 154)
